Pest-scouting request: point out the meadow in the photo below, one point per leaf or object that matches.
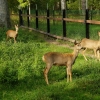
(74, 30)
(21, 71)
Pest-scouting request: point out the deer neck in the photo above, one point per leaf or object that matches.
(16, 31)
(75, 53)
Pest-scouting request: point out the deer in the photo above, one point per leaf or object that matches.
(99, 35)
(12, 33)
(61, 59)
(90, 44)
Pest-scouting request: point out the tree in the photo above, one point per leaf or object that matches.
(4, 14)
(63, 4)
(83, 4)
(23, 3)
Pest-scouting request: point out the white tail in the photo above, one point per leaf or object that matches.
(90, 44)
(60, 59)
(12, 33)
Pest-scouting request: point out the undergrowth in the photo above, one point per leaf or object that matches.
(21, 71)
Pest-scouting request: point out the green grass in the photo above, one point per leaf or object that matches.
(21, 71)
(73, 30)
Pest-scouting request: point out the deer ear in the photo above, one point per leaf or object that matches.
(75, 42)
(16, 25)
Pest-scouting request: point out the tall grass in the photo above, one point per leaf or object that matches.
(21, 71)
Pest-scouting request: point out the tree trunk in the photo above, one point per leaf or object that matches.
(4, 14)
(83, 3)
(63, 4)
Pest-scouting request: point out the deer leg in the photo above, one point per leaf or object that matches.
(14, 40)
(97, 54)
(10, 39)
(46, 70)
(7, 38)
(84, 54)
(69, 74)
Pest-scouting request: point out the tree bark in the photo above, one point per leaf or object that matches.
(4, 14)
(63, 4)
(83, 3)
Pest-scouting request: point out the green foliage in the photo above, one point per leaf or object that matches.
(13, 6)
(13, 60)
(73, 5)
(42, 4)
(21, 71)
(23, 3)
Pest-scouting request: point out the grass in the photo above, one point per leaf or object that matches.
(21, 71)
(73, 30)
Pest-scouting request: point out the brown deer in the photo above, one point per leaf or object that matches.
(90, 44)
(61, 59)
(12, 33)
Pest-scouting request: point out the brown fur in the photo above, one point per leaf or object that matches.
(12, 33)
(90, 44)
(65, 59)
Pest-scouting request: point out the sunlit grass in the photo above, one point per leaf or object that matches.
(21, 71)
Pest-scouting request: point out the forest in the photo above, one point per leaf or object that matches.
(70, 4)
(21, 64)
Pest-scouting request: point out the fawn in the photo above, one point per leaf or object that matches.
(90, 44)
(12, 33)
(60, 59)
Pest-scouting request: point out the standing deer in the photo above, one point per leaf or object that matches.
(90, 44)
(60, 59)
(12, 33)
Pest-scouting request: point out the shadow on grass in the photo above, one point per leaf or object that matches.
(35, 88)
